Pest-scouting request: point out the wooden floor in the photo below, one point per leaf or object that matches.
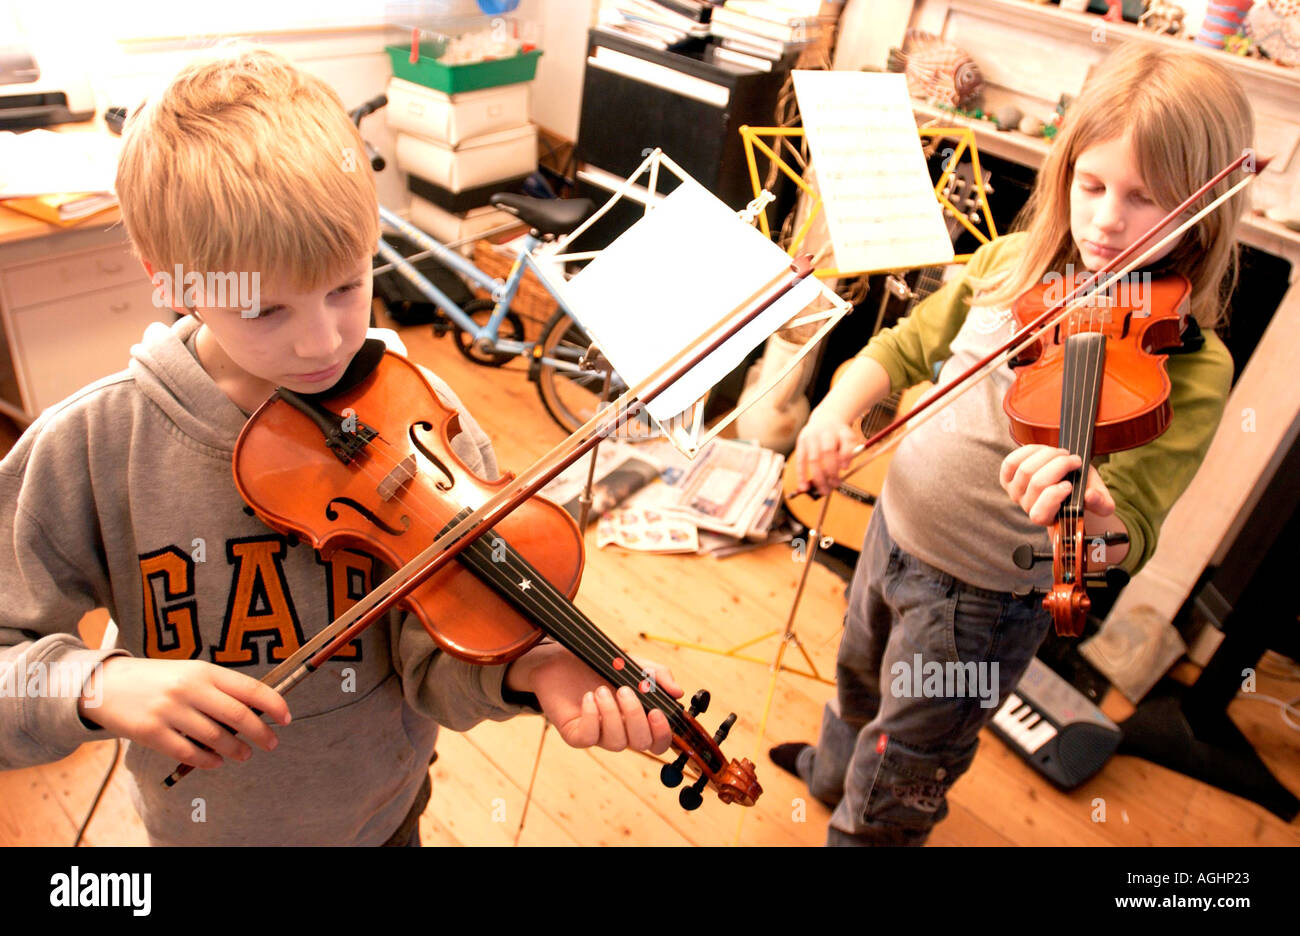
(597, 798)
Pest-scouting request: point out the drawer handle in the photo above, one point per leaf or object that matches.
(107, 268)
(119, 306)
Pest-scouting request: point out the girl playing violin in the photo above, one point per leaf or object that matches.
(935, 579)
(122, 497)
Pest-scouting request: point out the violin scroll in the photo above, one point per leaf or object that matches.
(736, 782)
(1068, 599)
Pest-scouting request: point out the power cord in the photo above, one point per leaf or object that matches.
(117, 752)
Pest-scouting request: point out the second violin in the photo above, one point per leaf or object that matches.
(1094, 383)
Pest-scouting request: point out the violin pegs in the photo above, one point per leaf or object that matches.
(699, 703)
(1025, 556)
(724, 729)
(692, 796)
(671, 774)
(1114, 577)
(1028, 591)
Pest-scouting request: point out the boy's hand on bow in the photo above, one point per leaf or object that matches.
(585, 708)
(168, 705)
(1033, 476)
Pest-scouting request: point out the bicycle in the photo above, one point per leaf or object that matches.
(570, 391)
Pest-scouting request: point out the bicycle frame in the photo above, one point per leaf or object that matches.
(502, 292)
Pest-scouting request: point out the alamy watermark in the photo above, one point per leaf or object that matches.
(208, 290)
(1132, 291)
(88, 889)
(38, 680)
(930, 679)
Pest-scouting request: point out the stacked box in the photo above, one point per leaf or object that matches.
(460, 149)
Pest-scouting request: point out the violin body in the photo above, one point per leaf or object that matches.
(1133, 405)
(395, 498)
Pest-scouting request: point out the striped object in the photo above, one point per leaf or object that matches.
(1222, 20)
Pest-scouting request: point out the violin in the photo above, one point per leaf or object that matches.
(1078, 389)
(1094, 383)
(368, 466)
(397, 462)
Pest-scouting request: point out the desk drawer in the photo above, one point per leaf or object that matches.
(71, 274)
(64, 345)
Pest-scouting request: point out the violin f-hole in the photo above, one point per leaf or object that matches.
(440, 484)
(331, 514)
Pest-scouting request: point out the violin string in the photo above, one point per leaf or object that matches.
(554, 612)
(559, 605)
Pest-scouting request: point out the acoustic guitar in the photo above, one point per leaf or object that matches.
(850, 510)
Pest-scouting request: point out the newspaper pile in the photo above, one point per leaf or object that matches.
(731, 488)
(722, 502)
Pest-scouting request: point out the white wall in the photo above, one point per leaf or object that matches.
(557, 93)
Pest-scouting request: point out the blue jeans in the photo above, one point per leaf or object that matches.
(923, 665)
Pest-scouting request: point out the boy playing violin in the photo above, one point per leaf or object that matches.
(935, 580)
(122, 497)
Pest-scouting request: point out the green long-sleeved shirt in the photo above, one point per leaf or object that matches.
(942, 499)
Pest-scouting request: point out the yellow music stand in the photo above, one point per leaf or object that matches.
(753, 139)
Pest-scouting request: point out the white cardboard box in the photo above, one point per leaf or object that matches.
(449, 228)
(477, 161)
(453, 118)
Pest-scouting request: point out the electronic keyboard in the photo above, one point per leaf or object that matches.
(1055, 728)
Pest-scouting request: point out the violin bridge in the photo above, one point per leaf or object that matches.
(404, 471)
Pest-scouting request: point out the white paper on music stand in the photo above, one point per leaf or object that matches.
(875, 187)
(668, 279)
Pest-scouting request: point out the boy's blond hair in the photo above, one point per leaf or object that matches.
(246, 163)
(1189, 118)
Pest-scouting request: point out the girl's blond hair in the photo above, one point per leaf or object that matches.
(245, 163)
(1188, 119)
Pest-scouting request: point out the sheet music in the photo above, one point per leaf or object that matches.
(875, 187)
(668, 279)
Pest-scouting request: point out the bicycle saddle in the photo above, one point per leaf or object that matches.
(547, 215)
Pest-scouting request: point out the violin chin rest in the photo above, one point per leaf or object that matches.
(362, 366)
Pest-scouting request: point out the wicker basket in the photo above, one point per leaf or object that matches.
(533, 303)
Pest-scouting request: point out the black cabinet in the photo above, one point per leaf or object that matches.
(635, 99)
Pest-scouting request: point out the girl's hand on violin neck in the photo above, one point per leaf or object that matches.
(823, 452)
(168, 705)
(1034, 477)
(585, 708)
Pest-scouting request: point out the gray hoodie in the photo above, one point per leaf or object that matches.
(122, 497)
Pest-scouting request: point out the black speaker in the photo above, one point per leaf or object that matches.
(635, 99)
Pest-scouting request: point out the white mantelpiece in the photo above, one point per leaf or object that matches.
(1031, 53)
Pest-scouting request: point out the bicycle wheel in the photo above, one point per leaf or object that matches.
(512, 329)
(570, 396)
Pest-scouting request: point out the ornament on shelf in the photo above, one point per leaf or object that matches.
(1275, 29)
(1008, 117)
(937, 71)
(1222, 19)
(1162, 17)
(1032, 126)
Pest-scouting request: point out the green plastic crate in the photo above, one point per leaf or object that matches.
(454, 79)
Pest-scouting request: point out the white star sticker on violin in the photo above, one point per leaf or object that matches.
(525, 585)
